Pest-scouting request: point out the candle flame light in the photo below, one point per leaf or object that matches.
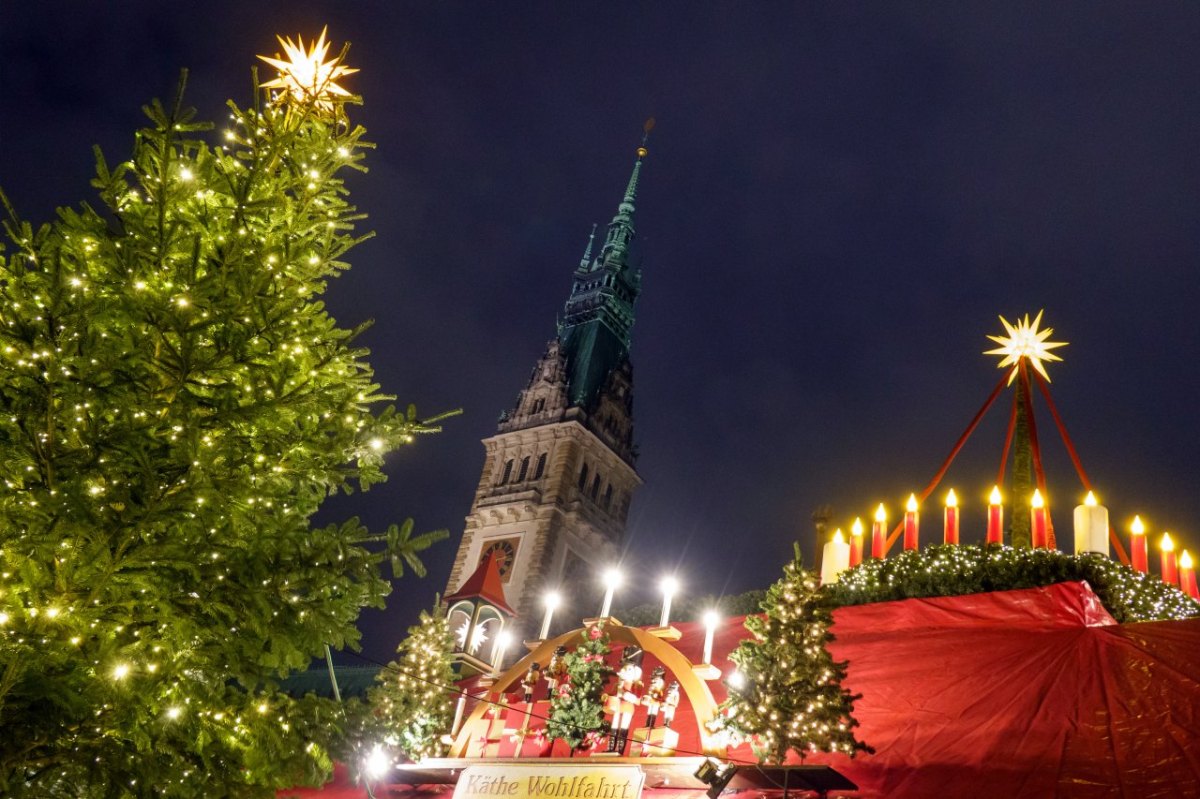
(1137, 555)
(838, 537)
(995, 498)
(1090, 500)
(911, 505)
(1167, 544)
(669, 585)
(1185, 560)
(856, 529)
(881, 513)
(1037, 500)
(951, 499)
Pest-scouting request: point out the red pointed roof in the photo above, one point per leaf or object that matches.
(484, 583)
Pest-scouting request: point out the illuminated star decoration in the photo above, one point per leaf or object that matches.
(1024, 340)
(305, 74)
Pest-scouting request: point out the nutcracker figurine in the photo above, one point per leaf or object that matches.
(669, 703)
(530, 681)
(625, 699)
(655, 693)
(556, 671)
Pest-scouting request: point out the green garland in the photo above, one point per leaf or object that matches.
(953, 570)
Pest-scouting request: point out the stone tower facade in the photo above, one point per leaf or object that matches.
(559, 473)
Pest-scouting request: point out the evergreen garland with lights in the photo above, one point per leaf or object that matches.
(953, 570)
(175, 404)
(577, 708)
(792, 696)
(413, 699)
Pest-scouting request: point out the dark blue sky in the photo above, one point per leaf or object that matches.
(839, 200)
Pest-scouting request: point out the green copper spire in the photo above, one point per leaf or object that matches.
(595, 330)
(587, 253)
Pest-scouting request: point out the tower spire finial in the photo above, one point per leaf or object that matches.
(587, 253)
(620, 230)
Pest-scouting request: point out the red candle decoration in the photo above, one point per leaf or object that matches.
(1169, 575)
(995, 521)
(951, 526)
(911, 523)
(1038, 519)
(879, 532)
(1187, 576)
(856, 542)
(1137, 546)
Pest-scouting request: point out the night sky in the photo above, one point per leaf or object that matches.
(839, 200)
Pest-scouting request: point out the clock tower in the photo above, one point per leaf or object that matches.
(558, 475)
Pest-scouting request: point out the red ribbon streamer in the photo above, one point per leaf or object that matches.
(1083, 478)
(937, 478)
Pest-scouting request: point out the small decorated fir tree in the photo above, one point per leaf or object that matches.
(414, 700)
(577, 707)
(792, 697)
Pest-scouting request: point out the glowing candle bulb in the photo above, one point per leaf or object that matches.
(1091, 526)
(1169, 575)
(669, 586)
(1187, 576)
(552, 601)
(835, 558)
(951, 518)
(911, 523)
(879, 532)
(1037, 512)
(1138, 556)
(995, 523)
(612, 581)
(856, 542)
(710, 627)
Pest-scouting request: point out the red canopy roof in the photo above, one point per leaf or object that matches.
(1030, 693)
(484, 583)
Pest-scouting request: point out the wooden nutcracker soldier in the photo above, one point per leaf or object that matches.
(624, 701)
(656, 692)
(556, 671)
(669, 703)
(532, 677)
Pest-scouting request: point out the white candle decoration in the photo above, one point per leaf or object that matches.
(502, 640)
(669, 586)
(612, 581)
(710, 626)
(835, 559)
(551, 601)
(1091, 527)
(459, 707)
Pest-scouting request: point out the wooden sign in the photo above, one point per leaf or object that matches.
(519, 781)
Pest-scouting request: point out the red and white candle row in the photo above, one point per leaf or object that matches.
(1091, 536)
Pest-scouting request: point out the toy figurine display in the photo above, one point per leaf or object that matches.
(656, 692)
(529, 682)
(556, 671)
(670, 702)
(625, 700)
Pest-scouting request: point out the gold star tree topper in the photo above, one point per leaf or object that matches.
(305, 74)
(1025, 341)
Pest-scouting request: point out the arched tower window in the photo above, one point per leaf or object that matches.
(507, 471)
(583, 475)
(608, 496)
(595, 487)
(524, 469)
(541, 467)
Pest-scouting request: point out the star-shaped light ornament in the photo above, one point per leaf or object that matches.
(305, 74)
(1025, 341)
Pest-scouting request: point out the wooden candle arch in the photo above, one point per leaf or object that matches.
(694, 688)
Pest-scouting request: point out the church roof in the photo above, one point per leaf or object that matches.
(484, 583)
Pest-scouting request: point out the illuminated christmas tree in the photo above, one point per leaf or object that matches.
(789, 695)
(177, 403)
(414, 697)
